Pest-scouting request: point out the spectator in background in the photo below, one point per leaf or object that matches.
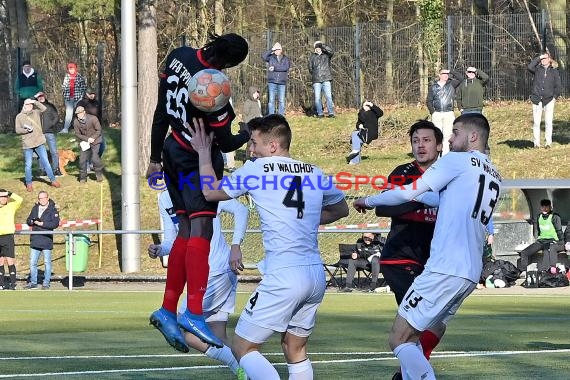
(225, 263)
(93, 107)
(470, 92)
(366, 130)
(321, 76)
(278, 66)
(50, 121)
(7, 228)
(88, 131)
(28, 83)
(29, 127)
(73, 89)
(251, 110)
(549, 237)
(440, 98)
(546, 87)
(367, 255)
(43, 217)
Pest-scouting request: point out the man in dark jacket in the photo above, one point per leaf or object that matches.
(28, 83)
(469, 94)
(366, 130)
(50, 122)
(321, 75)
(88, 131)
(43, 217)
(278, 66)
(546, 87)
(366, 256)
(440, 98)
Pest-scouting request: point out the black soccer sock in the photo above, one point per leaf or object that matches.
(12, 270)
(2, 273)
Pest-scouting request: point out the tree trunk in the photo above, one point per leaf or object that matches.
(147, 77)
(23, 30)
(422, 72)
(219, 17)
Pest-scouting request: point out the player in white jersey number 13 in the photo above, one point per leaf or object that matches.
(468, 188)
(292, 199)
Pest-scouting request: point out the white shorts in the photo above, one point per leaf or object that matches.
(285, 300)
(434, 298)
(220, 298)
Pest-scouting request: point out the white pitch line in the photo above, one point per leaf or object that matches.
(443, 354)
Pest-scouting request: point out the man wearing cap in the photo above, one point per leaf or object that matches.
(7, 228)
(470, 92)
(440, 98)
(28, 83)
(88, 130)
(50, 122)
(321, 75)
(29, 127)
(73, 89)
(546, 87)
(278, 66)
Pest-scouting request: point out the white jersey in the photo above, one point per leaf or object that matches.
(289, 196)
(220, 251)
(469, 188)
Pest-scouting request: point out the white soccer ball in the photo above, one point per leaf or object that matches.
(209, 90)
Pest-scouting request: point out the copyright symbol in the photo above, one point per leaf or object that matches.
(158, 181)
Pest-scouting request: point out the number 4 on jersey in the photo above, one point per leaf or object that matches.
(295, 190)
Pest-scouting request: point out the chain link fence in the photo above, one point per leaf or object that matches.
(501, 45)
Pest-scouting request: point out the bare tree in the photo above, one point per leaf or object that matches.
(147, 76)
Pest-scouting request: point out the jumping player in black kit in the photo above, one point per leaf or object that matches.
(408, 243)
(188, 259)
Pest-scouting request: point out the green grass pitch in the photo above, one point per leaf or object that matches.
(105, 335)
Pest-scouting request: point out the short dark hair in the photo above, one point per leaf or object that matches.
(424, 124)
(274, 125)
(545, 202)
(225, 51)
(26, 62)
(477, 121)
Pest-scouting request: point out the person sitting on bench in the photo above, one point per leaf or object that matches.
(550, 239)
(366, 257)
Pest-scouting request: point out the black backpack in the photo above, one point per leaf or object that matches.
(500, 270)
(552, 280)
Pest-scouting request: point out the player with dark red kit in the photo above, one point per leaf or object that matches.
(188, 260)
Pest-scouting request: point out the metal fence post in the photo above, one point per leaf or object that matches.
(357, 63)
(70, 253)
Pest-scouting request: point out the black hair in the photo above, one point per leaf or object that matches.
(225, 51)
(275, 125)
(477, 121)
(545, 202)
(424, 124)
(26, 62)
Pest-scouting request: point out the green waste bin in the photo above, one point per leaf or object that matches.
(81, 244)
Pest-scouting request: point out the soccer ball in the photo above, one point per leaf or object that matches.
(209, 90)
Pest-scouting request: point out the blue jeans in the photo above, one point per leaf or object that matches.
(472, 110)
(44, 162)
(69, 107)
(276, 90)
(326, 87)
(356, 144)
(34, 257)
(52, 145)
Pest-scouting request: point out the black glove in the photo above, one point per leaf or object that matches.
(244, 127)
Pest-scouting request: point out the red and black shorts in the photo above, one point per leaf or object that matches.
(400, 277)
(180, 164)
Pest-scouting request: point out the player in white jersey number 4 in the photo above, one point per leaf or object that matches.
(467, 186)
(292, 199)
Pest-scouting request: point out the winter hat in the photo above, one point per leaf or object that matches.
(29, 101)
(471, 69)
(79, 109)
(277, 46)
(444, 71)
